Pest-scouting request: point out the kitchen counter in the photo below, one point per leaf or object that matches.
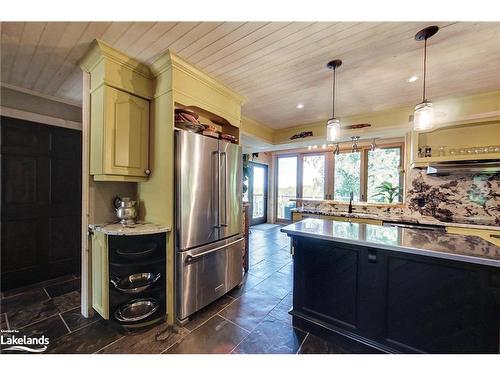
(416, 219)
(139, 228)
(433, 243)
(396, 290)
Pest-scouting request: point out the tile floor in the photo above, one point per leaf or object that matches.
(251, 319)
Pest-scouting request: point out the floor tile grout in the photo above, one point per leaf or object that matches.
(7, 321)
(236, 324)
(211, 316)
(66, 324)
(302, 343)
(107, 345)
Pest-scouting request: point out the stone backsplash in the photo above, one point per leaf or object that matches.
(471, 199)
(464, 199)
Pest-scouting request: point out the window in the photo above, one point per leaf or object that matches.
(384, 178)
(323, 175)
(287, 186)
(347, 176)
(313, 176)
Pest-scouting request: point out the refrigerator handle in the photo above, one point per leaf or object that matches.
(224, 154)
(215, 181)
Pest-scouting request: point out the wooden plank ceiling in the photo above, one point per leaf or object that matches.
(275, 65)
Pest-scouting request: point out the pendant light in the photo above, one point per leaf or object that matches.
(424, 114)
(333, 124)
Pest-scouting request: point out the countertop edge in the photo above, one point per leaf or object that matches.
(409, 250)
(130, 231)
(395, 219)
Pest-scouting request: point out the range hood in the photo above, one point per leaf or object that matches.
(487, 166)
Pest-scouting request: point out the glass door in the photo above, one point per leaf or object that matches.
(313, 176)
(286, 187)
(257, 193)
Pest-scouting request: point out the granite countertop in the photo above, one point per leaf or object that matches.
(139, 228)
(427, 220)
(435, 243)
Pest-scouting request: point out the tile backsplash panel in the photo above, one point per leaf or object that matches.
(472, 199)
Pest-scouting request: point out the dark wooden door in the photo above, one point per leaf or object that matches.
(41, 202)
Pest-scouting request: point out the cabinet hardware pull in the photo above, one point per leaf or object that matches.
(147, 172)
(372, 257)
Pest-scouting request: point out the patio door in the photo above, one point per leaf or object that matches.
(286, 186)
(257, 193)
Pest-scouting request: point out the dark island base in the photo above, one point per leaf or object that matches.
(395, 302)
(352, 344)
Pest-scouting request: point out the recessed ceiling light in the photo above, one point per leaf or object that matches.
(412, 79)
(300, 106)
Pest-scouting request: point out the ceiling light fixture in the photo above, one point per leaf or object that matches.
(333, 124)
(355, 147)
(300, 106)
(424, 114)
(337, 149)
(412, 79)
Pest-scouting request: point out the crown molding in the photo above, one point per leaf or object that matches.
(100, 50)
(170, 60)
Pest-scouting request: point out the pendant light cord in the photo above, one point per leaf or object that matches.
(425, 67)
(333, 94)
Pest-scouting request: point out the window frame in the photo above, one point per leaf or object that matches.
(401, 170)
(330, 172)
(361, 175)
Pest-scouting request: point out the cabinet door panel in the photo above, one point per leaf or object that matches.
(329, 280)
(100, 274)
(127, 133)
(439, 307)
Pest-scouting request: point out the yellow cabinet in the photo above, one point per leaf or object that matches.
(100, 274)
(119, 145)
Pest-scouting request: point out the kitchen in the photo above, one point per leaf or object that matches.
(251, 187)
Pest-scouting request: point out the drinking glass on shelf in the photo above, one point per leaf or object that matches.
(469, 150)
(453, 151)
(441, 151)
(478, 150)
(496, 148)
(462, 151)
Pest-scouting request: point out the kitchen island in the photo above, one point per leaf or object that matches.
(396, 289)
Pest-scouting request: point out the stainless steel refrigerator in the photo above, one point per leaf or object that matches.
(208, 214)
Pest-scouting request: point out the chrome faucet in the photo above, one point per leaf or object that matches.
(349, 210)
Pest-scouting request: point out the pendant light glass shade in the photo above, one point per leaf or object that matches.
(333, 124)
(332, 129)
(423, 119)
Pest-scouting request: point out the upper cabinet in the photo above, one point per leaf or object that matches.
(119, 136)
(478, 140)
(120, 93)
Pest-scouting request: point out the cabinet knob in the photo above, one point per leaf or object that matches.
(147, 172)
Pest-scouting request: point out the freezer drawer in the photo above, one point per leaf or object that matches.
(207, 273)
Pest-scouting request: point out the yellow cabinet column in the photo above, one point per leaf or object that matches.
(100, 274)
